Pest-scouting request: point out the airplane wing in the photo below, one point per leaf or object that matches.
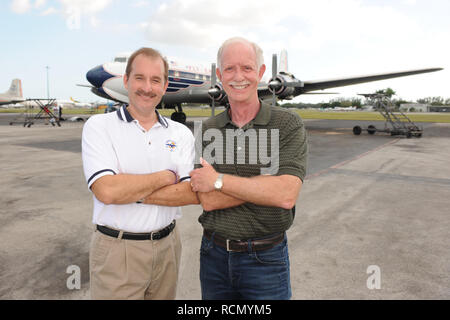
(11, 101)
(340, 82)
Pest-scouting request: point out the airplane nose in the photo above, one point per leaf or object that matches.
(96, 76)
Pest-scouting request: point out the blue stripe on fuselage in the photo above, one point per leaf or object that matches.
(177, 85)
(188, 81)
(97, 76)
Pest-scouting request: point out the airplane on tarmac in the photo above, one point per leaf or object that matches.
(14, 94)
(197, 84)
(79, 104)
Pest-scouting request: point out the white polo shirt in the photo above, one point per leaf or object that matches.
(114, 143)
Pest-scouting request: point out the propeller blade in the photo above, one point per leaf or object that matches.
(213, 75)
(274, 66)
(274, 75)
(213, 85)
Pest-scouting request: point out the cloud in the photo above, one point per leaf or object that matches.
(199, 23)
(39, 3)
(140, 4)
(292, 22)
(49, 11)
(73, 11)
(20, 6)
(310, 27)
(324, 38)
(88, 7)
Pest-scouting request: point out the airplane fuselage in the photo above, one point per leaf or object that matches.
(184, 85)
(194, 84)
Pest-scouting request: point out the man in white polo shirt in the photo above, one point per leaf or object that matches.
(127, 155)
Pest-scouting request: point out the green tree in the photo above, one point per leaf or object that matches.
(388, 91)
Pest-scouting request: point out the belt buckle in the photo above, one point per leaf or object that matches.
(228, 245)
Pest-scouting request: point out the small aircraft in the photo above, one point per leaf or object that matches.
(14, 94)
(197, 84)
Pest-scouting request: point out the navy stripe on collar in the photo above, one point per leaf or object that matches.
(127, 114)
(124, 113)
(162, 120)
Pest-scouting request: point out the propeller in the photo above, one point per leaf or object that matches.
(213, 86)
(273, 82)
(282, 85)
(215, 92)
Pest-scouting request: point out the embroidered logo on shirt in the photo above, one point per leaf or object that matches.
(171, 145)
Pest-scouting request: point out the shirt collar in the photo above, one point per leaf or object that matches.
(125, 115)
(262, 117)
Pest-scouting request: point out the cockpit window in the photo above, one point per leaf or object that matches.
(120, 59)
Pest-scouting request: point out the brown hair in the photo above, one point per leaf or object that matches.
(149, 52)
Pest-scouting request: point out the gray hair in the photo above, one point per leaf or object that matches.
(258, 51)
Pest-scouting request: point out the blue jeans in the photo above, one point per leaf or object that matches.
(260, 275)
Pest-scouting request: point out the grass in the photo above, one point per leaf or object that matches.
(371, 116)
(305, 114)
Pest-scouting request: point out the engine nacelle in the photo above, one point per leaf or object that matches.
(217, 92)
(283, 85)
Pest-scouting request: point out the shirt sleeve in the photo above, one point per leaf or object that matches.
(98, 155)
(293, 149)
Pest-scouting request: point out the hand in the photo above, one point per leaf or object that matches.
(203, 179)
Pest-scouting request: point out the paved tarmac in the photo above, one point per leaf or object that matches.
(369, 203)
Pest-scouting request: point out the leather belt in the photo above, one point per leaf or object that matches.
(138, 236)
(243, 245)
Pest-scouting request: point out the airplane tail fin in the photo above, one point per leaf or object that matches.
(15, 90)
(73, 100)
(283, 67)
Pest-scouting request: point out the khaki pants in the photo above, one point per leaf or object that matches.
(134, 269)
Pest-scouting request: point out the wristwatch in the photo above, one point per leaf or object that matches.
(219, 182)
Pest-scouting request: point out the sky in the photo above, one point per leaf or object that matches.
(324, 39)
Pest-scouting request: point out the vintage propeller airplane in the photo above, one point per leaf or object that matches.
(195, 84)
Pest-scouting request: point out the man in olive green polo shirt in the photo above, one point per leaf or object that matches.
(253, 166)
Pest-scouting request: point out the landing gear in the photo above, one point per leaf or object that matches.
(178, 115)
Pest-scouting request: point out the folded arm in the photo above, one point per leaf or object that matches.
(272, 191)
(265, 190)
(129, 188)
(176, 195)
(215, 200)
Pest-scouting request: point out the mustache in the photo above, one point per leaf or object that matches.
(149, 94)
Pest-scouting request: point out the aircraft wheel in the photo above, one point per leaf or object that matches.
(408, 135)
(179, 117)
(371, 129)
(357, 130)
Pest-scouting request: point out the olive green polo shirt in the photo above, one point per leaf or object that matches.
(274, 142)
